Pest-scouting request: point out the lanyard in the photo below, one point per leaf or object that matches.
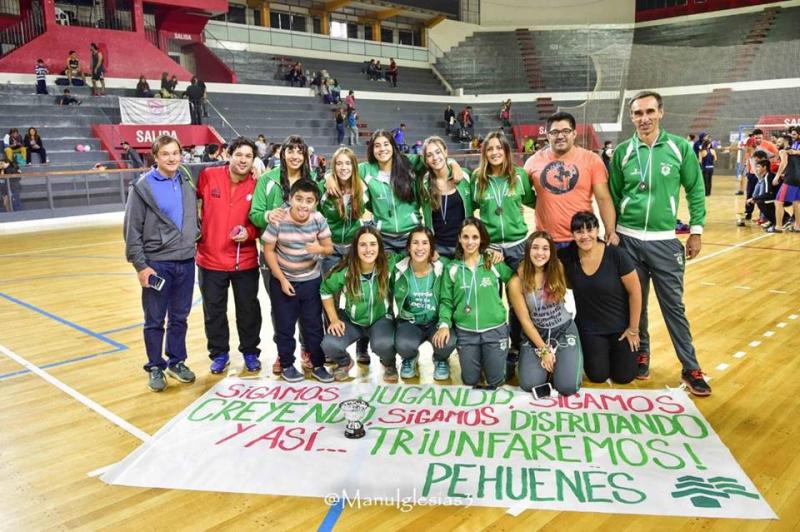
(472, 284)
(498, 197)
(371, 283)
(425, 287)
(648, 167)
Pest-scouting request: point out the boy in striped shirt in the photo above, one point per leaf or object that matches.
(293, 248)
(41, 81)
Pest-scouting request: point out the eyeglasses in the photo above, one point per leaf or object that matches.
(558, 132)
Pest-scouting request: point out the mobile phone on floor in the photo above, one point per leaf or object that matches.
(542, 391)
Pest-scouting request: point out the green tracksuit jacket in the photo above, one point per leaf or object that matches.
(401, 281)
(487, 310)
(507, 224)
(366, 308)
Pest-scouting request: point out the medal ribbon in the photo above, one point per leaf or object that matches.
(648, 167)
(471, 284)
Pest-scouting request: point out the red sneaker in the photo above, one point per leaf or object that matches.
(306, 360)
(694, 380)
(643, 372)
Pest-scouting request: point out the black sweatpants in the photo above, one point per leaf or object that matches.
(214, 288)
(604, 357)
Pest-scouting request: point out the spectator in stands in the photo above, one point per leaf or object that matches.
(73, 68)
(399, 135)
(41, 76)
(261, 147)
(212, 153)
(316, 83)
(131, 156)
(204, 99)
(33, 144)
(789, 192)
(691, 137)
(391, 74)
(379, 71)
(340, 118)
(764, 195)
(322, 165)
(143, 88)
(352, 127)
(195, 95)
(98, 70)
(708, 160)
(160, 233)
(274, 160)
(505, 117)
(68, 99)
(467, 123)
(166, 91)
(173, 85)
(371, 72)
(336, 92)
(449, 120)
(647, 172)
(528, 147)
(14, 146)
(224, 155)
(606, 153)
(350, 101)
(10, 187)
(698, 143)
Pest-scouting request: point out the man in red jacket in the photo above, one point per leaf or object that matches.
(227, 256)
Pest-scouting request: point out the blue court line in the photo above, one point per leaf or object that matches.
(61, 363)
(332, 516)
(118, 346)
(126, 328)
(44, 256)
(62, 276)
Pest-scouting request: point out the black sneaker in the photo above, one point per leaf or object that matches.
(694, 380)
(362, 357)
(157, 381)
(322, 374)
(180, 372)
(643, 372)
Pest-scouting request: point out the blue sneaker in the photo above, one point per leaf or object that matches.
(408, 368)
(441, 370)
(291, 374)
(219, 363)
(322, 374)
(252, 363)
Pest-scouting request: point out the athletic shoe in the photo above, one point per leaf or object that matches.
(761, 221)
(322, 374)
(252, 363)
(157, 382)
(276, 366)
(773, 230)
(219, 363)
(390, 373)
(291, 374)
(363, 357)
(305, 358)
(408, 368)
(342, 371)
(740, 223)
(694, 380)
(180, 372)
(643, 373)
(441, 370)
(739, 193)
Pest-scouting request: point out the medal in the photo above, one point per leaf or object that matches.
(642, 186)
(499, 211)
(467, 309)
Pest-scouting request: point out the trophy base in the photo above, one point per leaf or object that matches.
(355, 434)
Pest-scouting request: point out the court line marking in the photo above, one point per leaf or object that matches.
(754, 343)
(739, 354)
(722, 367)
(769, 333)
(66, 362)
(63, 321)
(728, 249)
(62, 248)
(101, 410)
(781, 325)
(332, 516)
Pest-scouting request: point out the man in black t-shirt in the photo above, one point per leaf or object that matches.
(195, 93)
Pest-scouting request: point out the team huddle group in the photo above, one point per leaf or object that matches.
(388, 254)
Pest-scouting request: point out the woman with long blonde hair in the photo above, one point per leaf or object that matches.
(552, 345)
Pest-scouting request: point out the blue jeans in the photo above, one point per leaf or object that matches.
(173, 301)
(306, 307)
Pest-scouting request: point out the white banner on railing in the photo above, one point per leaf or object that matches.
(154, 111)
(602, 450)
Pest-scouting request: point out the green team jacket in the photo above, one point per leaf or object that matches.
(464, 190)
(343, 228)
(400, 281)
(367, 308)
(486, 308)
(651, 214)
(391, 215)
(268, 195)
(509, 226)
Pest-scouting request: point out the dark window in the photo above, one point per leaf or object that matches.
(352, 31)
(368, 32)
(406, 37)
(298, 23)
(257, 17)
(237, 14)
(317, 22)
(387, 35)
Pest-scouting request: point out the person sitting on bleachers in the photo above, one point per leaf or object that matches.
(335, 91)
(143, 88)
(316, 83)
(131, 156)
(371, 72)
(379, 71)
(73, 68)
(14, 146)
(68, 99)
(166, 90)
(391, 74)
(33, 144)
(9, 186)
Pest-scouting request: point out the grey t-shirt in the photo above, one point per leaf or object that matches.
(545, 314)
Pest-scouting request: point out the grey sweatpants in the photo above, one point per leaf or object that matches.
(663, 261)
(485, 351)
(409, 336)
(568, 370)
(380, 334)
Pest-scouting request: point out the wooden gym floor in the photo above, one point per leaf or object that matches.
(70, 305)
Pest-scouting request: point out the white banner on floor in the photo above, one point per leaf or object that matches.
(603, 450)
(153, 111)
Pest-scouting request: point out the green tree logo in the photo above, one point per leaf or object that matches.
(706, 493)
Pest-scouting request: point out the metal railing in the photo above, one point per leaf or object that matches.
(23, 31)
